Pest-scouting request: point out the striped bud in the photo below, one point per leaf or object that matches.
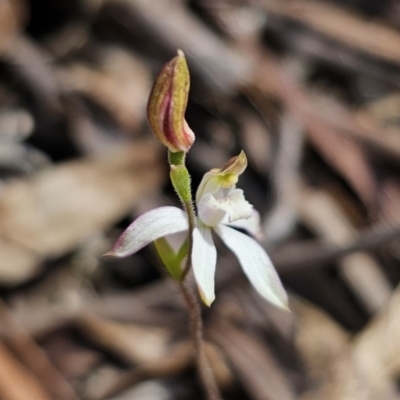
(167, 105)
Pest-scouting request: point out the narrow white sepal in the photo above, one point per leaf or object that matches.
(255, 264)
(204, 260)
(149, 227)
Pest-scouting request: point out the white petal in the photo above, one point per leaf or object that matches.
(204, 260)
(149, 227)
(214, 209)
(252, 225)
(255, 264)
(210, 210)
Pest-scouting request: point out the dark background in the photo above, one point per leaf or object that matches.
(308, 88)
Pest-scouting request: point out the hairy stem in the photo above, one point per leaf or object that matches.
(192, 223)
(196, 330)
(196, 323)
(180, 179)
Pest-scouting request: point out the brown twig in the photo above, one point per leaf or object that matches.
(261, 375)
(33, 357)
(361, 34)
(308, 254)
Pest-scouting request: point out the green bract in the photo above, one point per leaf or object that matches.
(180, 179)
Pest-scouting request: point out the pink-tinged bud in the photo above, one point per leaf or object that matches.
(167, 105)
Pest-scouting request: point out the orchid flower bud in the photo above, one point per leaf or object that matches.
(167, 105)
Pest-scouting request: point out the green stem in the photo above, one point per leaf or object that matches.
(192, 223)
(177, 158)
(180, 179)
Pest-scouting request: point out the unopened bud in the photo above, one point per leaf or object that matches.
(167, 105)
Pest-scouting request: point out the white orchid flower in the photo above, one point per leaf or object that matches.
(220, 205)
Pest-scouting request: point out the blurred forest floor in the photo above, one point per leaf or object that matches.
(310, 89)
